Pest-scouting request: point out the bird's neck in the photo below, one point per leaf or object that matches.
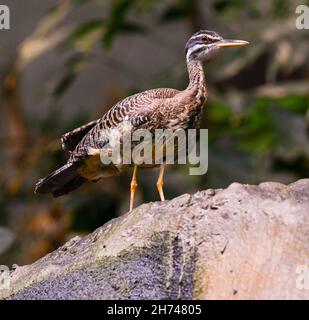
(197, 85)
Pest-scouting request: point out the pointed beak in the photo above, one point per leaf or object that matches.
(231, 43)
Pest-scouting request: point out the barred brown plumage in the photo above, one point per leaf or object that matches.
(162, 108)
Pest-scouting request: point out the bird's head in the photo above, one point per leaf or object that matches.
(203, 44)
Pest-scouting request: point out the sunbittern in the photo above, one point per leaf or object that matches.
(162, 108)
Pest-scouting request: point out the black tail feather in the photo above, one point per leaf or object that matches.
(73, 184)
(61, 181)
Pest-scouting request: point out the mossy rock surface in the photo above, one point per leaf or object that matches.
(242, 242)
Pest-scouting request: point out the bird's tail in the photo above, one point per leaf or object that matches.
(61, 181)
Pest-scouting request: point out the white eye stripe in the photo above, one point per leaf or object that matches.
(194, 48)
(213, 38)
(196, 37)
(201, 36)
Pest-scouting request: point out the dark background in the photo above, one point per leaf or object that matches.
(66, 62)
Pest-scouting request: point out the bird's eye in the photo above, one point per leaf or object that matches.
(205, 38)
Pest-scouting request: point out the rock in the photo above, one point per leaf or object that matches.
(243, 242)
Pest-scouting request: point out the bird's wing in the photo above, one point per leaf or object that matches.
(71, 139)
(133, 108)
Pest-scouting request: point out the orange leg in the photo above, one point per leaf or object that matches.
(160, 183)
(133, 187)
